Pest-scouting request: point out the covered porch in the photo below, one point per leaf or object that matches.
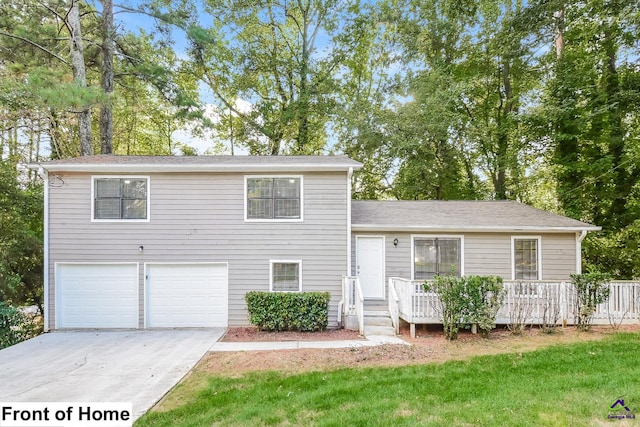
(528, 302)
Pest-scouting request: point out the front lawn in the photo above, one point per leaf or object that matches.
(563, 385)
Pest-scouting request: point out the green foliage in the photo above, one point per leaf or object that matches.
(21, 251)
(467, 300)
(450, 290)
(16, 326)
(591, 289)
(561, 385)
(288, 311)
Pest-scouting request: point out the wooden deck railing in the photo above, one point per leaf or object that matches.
(533, 302)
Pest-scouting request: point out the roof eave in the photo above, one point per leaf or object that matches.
(470, 228)
(173, 168)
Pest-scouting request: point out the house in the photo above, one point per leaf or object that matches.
(421, 239)
(160, 242)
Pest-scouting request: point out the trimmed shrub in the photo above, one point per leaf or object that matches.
(467, 300)
(288, 311)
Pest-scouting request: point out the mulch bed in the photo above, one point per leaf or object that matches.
(250, 333)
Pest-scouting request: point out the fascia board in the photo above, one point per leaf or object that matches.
(149, 168)
(470, 228)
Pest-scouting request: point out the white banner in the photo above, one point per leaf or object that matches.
(66, 414)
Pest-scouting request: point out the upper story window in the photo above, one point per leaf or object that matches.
(274, 198)
(526, 258)
(437, 256)
(120, 198)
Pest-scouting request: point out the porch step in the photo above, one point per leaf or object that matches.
(378, 323)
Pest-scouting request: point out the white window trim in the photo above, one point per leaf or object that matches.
(436, 236)
(513, 254)
(93, 200)
(301, 219)
(280, 261)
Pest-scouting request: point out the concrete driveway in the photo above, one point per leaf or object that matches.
(102, 366)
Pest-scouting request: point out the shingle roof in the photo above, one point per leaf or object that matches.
(104, 162)
(437, 215)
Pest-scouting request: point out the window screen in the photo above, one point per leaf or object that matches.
(120, 198)
(435, 257)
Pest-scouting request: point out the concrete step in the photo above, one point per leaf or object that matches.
(377, 313)
(377, 321)
(388, 331)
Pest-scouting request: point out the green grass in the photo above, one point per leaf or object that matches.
(564, 385)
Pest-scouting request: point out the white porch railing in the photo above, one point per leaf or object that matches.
(394, 301)
(535, 302)
(353, 300)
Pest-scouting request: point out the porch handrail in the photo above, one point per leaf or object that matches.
(394, 306)
(354, 299)
(359, 306)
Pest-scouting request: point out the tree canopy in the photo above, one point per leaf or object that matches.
(439, 99)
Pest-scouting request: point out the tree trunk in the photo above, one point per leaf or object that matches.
(500, 183)
(106, 111)
(559, 32)
(80, 77)
(303, 99)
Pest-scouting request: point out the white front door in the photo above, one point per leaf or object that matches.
(370, 265)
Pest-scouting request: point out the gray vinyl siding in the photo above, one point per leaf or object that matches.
(484, 254)
(200, 218)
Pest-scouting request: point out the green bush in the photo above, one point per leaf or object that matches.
(467, 300)
(16, 326)
(284, 311)
(591, 289)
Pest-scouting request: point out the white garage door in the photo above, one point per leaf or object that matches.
(97, 295)
(187, 295)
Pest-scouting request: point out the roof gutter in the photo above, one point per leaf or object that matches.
(472, 228)
(203, 168)
(42, 173)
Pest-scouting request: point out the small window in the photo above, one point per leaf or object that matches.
(436, 256)
(274, 198)
(526, 258)
(285, 276)
(120, 198)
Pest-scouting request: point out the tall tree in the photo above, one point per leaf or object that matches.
(470, 71)
(79, 74)
(108, 47)
(592, 102)
(266, 55)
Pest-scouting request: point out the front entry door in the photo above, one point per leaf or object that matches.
(370, 265)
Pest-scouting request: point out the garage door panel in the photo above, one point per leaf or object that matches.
(187, 295)
(97, 295)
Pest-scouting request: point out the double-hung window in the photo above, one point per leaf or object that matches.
(526, 258)
(286, 276)
(120, 198)
(274, 198)
(437, 256)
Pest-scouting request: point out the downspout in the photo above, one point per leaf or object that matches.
(42, 173)
(579, 238)
(348, 273)
(349, 175)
